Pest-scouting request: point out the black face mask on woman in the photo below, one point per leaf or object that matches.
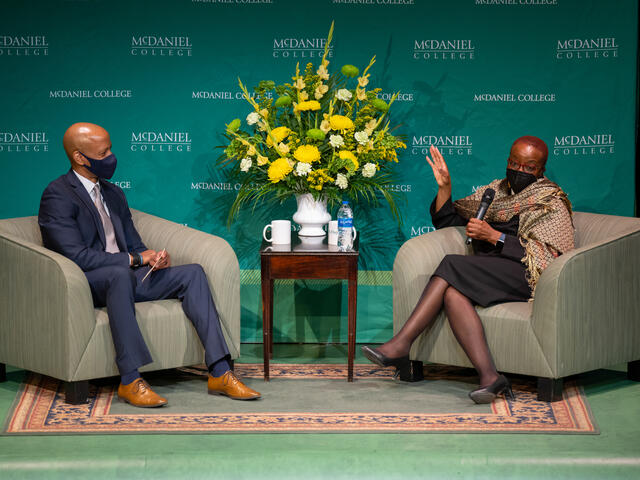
(518, 180)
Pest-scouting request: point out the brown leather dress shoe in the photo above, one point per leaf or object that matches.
(139, 394)
(229, 385)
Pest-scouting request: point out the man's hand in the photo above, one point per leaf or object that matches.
(151, 258)
(481, 230)
(147, 256)
(160, 260)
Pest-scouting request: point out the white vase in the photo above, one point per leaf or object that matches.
(311, 215)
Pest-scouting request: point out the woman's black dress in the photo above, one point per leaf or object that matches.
(493, 274)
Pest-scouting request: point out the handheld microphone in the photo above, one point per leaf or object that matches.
(487, 198)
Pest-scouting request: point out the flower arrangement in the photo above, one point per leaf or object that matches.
(323, 133)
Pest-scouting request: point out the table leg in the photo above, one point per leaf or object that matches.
(267, 314)
(271, 324)
(353, 304)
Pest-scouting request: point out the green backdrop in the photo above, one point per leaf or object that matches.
(474, 75)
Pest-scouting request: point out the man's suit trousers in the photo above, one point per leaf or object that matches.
(118, 288)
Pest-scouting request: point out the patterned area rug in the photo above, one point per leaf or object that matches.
(302, 398)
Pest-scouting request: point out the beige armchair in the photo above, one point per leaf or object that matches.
(48, 323)
(585, 315)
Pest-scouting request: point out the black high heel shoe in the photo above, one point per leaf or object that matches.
(489, 393)
(381, 359)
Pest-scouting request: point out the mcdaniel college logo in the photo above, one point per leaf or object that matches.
(161, 46)
(23, 45)
(224, 95)
(22, 142)
(155, 141)
(300, 48)
(587, 48)
(447, 144)
(430, 50)
(594, 144)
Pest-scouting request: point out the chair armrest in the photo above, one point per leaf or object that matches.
(214, 254)
(416, 261)
(46, 309)
(586, 312)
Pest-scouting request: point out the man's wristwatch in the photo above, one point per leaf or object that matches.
(500, 242)
(137, 259)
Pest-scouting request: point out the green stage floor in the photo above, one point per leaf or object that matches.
(615, 453)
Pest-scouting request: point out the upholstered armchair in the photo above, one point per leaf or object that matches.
(585, 315)
(48, 323)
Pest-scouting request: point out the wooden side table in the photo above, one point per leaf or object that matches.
(309, 259)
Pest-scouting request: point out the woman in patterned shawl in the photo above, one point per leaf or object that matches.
(527, 225)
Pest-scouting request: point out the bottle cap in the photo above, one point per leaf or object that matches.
(345, 202)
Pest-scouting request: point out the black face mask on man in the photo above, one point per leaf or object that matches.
(102, 168)
(518, 180)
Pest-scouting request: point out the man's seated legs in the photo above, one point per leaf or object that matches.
(118, 288)
(114, 287)
(189, 284)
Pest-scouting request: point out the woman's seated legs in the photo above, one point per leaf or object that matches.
(467, 328)
(463, 319)
(423, 314)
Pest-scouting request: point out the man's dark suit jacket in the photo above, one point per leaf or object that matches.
(70, 223)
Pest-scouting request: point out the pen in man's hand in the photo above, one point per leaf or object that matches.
(153, 267)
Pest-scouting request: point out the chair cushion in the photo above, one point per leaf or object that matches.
(168, 333)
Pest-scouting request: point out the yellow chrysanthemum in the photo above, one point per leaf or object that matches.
(279, 134)
(262, 160)
(310, 105)
(340, 122)
(307, 154)
(278, 170)
(347, 155)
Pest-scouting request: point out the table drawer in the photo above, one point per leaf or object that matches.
(311, 266)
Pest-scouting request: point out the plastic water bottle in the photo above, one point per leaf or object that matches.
(345, 227)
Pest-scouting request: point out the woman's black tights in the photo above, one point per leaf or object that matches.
(464, 322)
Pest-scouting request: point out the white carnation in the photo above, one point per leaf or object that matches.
(369, 170)
(336, 141)
(253, 118)
(302, 169)
(341, 181)
(245, 164)
(362, 137)
(344, 95)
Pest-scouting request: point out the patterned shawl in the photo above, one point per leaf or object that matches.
(546, 225)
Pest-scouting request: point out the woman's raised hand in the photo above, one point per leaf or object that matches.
(439, 167)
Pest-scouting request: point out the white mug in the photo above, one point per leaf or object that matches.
(333, 233)
(280, 232)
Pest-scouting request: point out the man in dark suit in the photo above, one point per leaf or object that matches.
(87, 219)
